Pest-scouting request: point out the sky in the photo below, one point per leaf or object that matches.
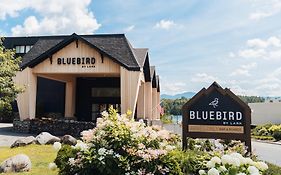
(192, 43)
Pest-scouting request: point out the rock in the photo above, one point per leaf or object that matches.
(69, 140)
(18, 163)
(46, 138)
(23, 141)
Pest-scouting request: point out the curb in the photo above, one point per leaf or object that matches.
(269, 142)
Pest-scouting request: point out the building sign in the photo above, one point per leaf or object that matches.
(216, 113)
(85, 62)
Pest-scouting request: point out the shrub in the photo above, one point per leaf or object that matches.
(118, 146)
(233, 164)
(191, 161)
(277, 135)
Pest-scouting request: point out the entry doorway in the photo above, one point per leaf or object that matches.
(95, 95)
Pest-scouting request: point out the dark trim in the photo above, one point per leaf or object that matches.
(146, 69)
(158, 83)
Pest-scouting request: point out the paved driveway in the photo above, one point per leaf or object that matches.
(7, 136)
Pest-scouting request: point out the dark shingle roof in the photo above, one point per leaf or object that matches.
(41, 46)
(140, 54)
(116, 46)
(152, 71)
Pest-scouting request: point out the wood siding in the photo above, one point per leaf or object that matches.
(107, 67)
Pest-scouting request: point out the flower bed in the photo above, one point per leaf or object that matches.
(121, 146)
(118, 145)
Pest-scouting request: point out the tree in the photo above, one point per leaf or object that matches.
(9, 65)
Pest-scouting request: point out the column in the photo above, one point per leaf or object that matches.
(141, 103)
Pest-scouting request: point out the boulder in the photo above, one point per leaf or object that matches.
(69, 140)
(18, 163)
(46, 138)
(23, 141)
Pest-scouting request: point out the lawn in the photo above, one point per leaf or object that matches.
(40, 156)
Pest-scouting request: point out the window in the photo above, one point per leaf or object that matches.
(105, 92)
(20, 49)
(27, 48)
(23, 49)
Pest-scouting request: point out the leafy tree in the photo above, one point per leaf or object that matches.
(173, 107)
(252, 99)
(9, 65)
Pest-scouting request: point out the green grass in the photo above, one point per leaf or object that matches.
(273, 170)
(40, 156)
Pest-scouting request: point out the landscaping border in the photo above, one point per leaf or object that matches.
(56, 127)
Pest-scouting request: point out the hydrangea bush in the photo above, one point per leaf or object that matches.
(233, 164)
(120, 146)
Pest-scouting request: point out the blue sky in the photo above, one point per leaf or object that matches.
(192, 43)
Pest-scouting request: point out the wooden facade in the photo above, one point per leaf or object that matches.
(136, 94)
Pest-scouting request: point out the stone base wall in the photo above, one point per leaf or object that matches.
(55, 127)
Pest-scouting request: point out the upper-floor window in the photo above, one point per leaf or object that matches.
(23, 49)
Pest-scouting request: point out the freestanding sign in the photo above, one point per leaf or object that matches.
(216, 113)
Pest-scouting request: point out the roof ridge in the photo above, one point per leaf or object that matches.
(131, 50)
(65, 35)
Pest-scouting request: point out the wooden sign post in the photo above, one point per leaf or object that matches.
(216, 113)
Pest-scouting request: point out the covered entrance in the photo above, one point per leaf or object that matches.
(95, 95)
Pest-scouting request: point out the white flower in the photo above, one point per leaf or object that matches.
(71, 161)
(202, 172)
(213, 171)
(102, 151)
(252, 170)
(216, 160)
(241, 174)
(235, 161)
(52, 166)
(170, 147)
(210, 164)
(104, 114)
(261, 166)
(222, 169)
(57, 146)
(249, 161)
(81, 145)
(226, 159)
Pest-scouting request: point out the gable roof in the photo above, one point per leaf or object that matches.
(140, 54)
(115, 46)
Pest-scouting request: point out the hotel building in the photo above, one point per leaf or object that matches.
(79, 76)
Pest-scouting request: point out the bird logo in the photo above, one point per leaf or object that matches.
(214, 103)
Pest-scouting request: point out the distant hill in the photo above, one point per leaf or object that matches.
(185, 94)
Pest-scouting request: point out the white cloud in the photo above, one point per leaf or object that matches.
(244, 69)
(259, 43)
(204, 78)
(172, 88)
(130, 28)
(259, 15)
(265, 9)
(252, 53)
(268, 49)
(59, 17)
(165, 24)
